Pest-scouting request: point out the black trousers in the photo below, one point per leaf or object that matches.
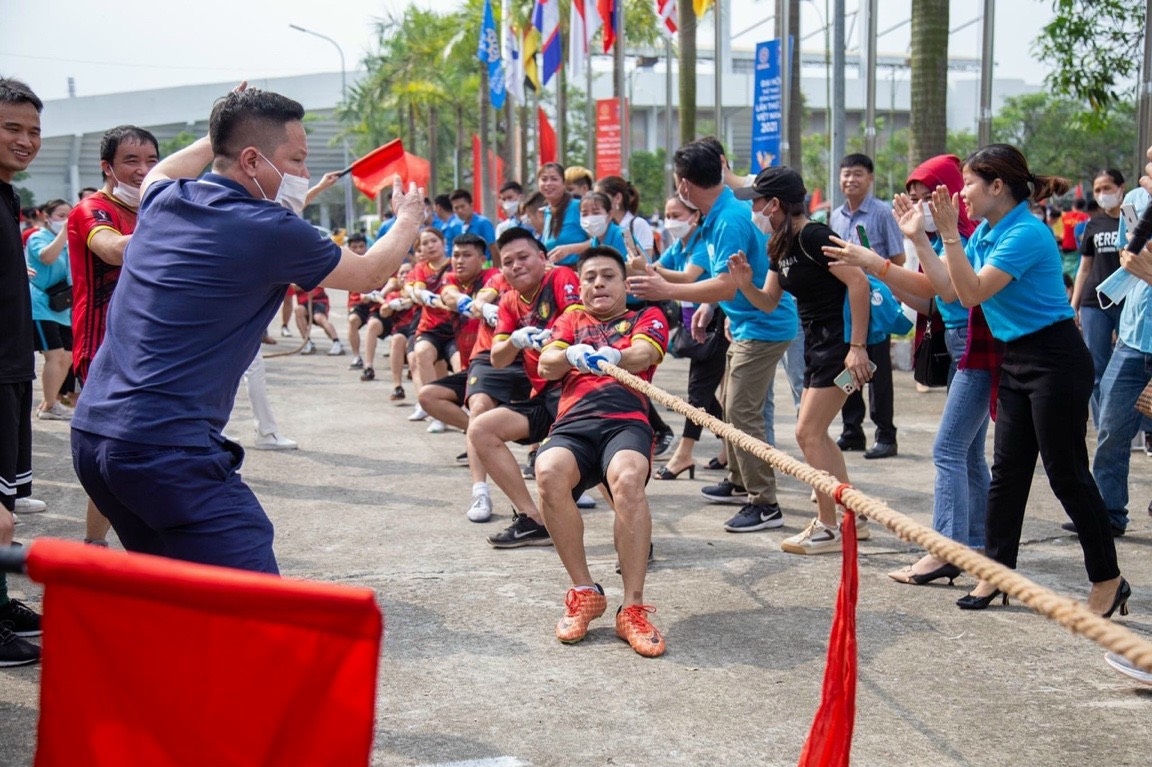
(1042, 409)
(704, 376)
(879, 400)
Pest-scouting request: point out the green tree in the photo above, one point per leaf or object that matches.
(647, 174)
(176, 143)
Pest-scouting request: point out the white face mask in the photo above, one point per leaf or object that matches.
(762, 222)
(594, 226)
(55, 226)
(683, 199)
(1108, 201)
(929, 224)
(510, 207)
(292, 192)
(125, 193)
(676, 229)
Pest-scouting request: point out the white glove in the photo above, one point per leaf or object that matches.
(427, 297)
(490, 313)
(464, 305)
(540, 339)
(578, 357)
(396, 304)
(375, 297)
(603, 354)
(523, 338)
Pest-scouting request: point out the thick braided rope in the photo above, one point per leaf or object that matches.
(1067, 612)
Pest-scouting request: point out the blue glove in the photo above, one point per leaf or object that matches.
(464, 304)
(603, 354)
(579, 355)
(522, 338)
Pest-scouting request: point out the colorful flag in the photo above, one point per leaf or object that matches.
(531, 48)
(666, 13)
(607, 11)
(546, 137)
(584, 23)
(488, 51)
(546, 18)
(216, 666)
(701, 6)
(514, 69)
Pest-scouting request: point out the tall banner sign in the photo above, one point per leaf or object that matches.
(767, 106)
(609, 134)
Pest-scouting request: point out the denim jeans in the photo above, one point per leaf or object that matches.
(794, 369)
(1127, 374)
(962, 476)
(1098, 325)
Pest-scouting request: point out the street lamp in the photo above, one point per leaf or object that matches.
(349, 214)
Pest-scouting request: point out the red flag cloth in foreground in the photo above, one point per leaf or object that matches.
(830, 739)
(159, 663)
(375, 170)
(546, 136)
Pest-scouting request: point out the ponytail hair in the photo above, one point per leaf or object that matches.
(1005, 162)
(615, 185)
(782, 238)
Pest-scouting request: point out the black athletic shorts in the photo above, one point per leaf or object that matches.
(443, 339)
(507, 384)
(15, 442)
(318, 307)
(456, 382)
(540, 412)
(48, 335)
(824, 353)
(595, 441)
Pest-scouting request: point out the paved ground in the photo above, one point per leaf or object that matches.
(472, 674)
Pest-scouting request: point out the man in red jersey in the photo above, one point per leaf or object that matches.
(539, 296)
(99, 229)
(601, 435)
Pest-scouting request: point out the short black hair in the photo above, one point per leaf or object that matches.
(470, 239)
(89, 190)
(250, 117)
(511, 186)
(461, 194)
(699, 163)
(857, 160)
(116, 136)
(30, 211)
(513, 233)
(52, 205)
(602, 251)
(357, 237)
(442, 202)
(17, 92)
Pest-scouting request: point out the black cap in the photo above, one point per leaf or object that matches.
(780, 182)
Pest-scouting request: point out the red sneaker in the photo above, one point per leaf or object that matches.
(633, 627)
(582, 607)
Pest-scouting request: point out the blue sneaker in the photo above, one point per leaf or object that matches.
(755, 516)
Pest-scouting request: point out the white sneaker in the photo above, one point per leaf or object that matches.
(436, 427)
(55, 413)
(816, 539)
(274, 442)
(481, 508)
(29, 506)
(357, 363)
(585, 501)
(419, 414)
(337, 349)
(285, 332)
(309, 347)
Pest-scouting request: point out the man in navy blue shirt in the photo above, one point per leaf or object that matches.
(204, 274)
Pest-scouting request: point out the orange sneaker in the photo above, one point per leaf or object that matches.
(582, 607)
(633, 627)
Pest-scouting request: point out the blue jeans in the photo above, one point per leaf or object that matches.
(1098, 325)
(962, 476)
(1127, 374)
(794, 369)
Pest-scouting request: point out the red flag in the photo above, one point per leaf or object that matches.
(495, 169)
(546, 137)
(829, 741)
(419, 171)
(817, 201)
(607, 10)
(214, 666)
(375, 170)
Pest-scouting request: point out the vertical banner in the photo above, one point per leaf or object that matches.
(609, 134)
(767, 106)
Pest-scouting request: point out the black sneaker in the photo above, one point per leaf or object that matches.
(15, 651)
(664, 442)
(397, 394)
(528, 470)
(369, 374)
(755, 516)
(462, 459)
(725, 492)
(21, 620)
(523, 531)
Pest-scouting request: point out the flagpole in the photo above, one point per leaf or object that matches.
(668, 115)
(718, 74)
(590, 113)
(482, 173)
(625, 137)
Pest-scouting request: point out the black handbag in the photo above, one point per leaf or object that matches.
(59, 296)
(931, 360)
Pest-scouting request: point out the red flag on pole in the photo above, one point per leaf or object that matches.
(419, 172)
(215, 666)
(375, 170)
(546, 137)
(607, 11)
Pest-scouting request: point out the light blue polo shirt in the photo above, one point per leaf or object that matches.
(727, 229)
(1135, 328)
(1023, 247)
(570, 230)
(680, 255)
(47, 275)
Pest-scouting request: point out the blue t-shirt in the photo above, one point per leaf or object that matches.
(204, 274)
(613, 238)
(481, 227)
(726, 229)
(570, 230)
(680, 255)
(385, 227)
(1021, 246)
(953, 313)
(47, 275)
(450, 229)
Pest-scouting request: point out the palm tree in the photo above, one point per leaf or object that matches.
(929, 62)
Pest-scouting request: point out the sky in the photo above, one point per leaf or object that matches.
(115, 47)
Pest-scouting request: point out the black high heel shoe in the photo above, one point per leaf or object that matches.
(1123, 591)
(973, 602)
(946, 570)
(666, 473)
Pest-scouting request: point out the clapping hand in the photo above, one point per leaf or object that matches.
(909, 215)
(945, 208)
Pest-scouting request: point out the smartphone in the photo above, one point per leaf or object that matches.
(845, 382)
(862, 235)
(1128, 211)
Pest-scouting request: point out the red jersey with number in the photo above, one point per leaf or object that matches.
(424, 277)
(468, 328)
(559, 290)
(587, 395)
(93, 278)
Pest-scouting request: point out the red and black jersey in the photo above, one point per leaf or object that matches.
(559, 290)
(425, 277)
(587, 395)
(488, 332)
(316, 294)
(93, 279)
(404, 317)
(468, 328)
